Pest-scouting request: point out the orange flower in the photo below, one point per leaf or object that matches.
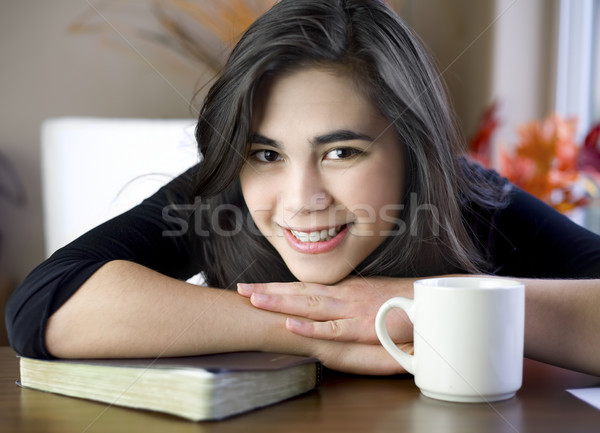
(544, 161)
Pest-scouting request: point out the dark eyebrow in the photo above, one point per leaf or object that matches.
(340, 135)
(260, 139)
(331, 137)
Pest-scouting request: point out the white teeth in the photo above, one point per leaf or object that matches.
(318, 236)
(301, 236)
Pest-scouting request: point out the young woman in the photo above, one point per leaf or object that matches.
(331, 179)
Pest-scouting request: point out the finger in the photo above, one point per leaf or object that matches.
(346, 330)
(293, 288)
(311, 307)
(244, 289)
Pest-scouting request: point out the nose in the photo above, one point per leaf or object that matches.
(305, 192)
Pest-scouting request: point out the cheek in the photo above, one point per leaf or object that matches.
(259, 198)
(373, 190)
(250, 188)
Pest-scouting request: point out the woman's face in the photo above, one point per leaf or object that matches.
(324, 178)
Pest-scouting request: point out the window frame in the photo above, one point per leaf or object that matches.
(575, 81)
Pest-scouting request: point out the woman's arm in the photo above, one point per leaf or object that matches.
(562, 323)
(562, 317)
(127, 310)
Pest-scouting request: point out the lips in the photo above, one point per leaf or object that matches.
(316, 241)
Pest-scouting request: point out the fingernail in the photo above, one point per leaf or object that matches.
(293, 323)
(259, 297)
(244, 288)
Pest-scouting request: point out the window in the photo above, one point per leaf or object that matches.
(596, 65)
(578, 69)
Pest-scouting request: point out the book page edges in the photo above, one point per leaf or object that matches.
(212, 395)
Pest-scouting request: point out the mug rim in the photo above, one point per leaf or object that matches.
(484, 283)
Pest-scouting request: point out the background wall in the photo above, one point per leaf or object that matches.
(488, 49)
(525, 48)
(459, 34)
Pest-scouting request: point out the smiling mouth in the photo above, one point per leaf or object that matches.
(317, 236)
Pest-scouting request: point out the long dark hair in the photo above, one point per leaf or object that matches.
(368, 40)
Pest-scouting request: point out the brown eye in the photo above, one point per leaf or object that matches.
(342, 153)
(266, 155)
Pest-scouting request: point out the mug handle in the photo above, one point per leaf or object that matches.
(404, 359)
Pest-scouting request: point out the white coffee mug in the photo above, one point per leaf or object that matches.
(468, 337)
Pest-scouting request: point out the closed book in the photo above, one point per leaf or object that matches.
(207, 387)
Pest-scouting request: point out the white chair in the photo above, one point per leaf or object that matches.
(95, 168)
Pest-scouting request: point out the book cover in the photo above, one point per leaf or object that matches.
(207, 387)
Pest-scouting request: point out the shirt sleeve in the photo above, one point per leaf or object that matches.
(530, 239)
(156, 234)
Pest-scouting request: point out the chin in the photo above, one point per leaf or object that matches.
(325, 278)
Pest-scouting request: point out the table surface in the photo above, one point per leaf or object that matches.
(343, 403)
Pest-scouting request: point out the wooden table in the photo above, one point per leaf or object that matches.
(6, 289)
(344, 403)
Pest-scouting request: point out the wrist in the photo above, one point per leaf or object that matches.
(277, 338)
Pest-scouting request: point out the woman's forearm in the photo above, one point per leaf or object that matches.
(562, 323)
(126, 310)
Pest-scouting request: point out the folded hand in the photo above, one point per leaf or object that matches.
(342, 312)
